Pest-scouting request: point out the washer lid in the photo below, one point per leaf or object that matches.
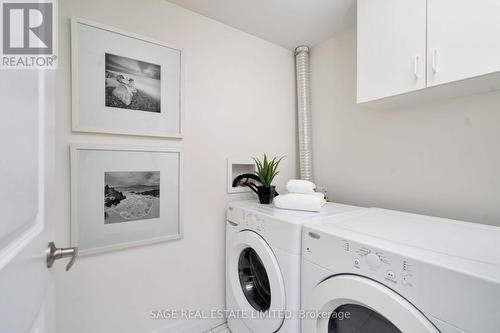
(291, 216)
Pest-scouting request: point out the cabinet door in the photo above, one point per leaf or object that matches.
(463, 39)
(391, 47)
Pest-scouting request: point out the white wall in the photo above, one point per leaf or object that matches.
(239, 101)
(439, 159)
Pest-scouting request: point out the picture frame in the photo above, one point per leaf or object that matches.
(124, 83)
(124, 196)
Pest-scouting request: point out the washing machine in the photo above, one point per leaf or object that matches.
(380, 271)
(263, 250)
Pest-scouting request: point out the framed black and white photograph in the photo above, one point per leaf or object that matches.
(131, 196)
(124, 196)
(132, 84)
(123, 83)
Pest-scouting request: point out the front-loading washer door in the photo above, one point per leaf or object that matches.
(256, 282)
(351, 303)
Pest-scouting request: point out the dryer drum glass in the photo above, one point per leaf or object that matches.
(254, 280)
(359, 319)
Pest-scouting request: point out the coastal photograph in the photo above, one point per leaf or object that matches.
(131, 196)
(132, 84)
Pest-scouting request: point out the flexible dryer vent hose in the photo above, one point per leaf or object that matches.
(304, 112)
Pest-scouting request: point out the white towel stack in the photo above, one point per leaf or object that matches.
(300, 196)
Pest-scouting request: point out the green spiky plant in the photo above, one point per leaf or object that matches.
(267, 169)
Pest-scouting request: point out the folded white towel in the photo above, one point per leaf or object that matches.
(300, 186)
(320, 195)
(298, 201)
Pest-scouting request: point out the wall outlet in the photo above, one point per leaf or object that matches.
(324, 190)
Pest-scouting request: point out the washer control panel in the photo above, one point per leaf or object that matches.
(395, 271)
(380, 265)
(344, 256)
(255, 222)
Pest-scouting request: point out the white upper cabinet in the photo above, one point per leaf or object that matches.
(463, 39)
(414, 50)
(391, 48)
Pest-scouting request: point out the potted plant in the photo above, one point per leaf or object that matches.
(267, 170)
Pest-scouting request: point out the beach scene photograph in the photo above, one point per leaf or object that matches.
(132, 84)
(131, 196)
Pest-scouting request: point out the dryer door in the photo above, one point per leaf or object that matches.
(350, 303)
(256, 282)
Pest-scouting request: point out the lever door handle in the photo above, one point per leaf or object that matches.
(54, 253)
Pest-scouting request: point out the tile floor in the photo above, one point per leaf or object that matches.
(219, 329)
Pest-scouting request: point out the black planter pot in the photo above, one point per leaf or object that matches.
(266, 194)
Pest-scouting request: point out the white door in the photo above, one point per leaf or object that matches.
(357, 304)
(26, 121)
(462, 39)
(391, 48)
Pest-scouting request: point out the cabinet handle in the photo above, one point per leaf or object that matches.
(416, 63)
(434, 61)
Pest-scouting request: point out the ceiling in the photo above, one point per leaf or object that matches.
(288, 23)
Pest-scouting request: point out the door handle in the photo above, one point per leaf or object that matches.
(54, 253)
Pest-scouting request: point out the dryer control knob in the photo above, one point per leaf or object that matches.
(373, 261)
